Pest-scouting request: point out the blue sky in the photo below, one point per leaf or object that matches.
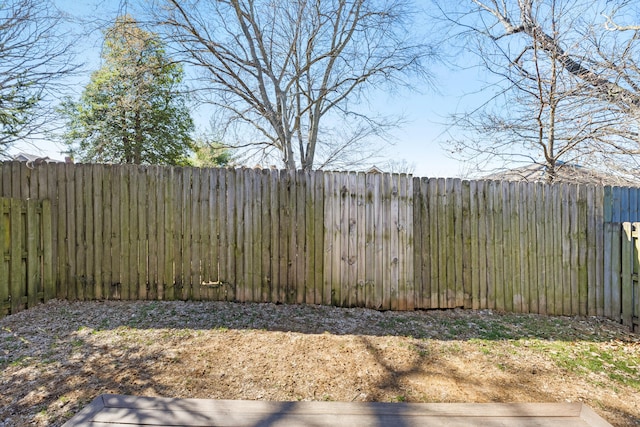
(419, 141)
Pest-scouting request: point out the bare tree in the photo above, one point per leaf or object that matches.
(297, 72)
(34, 56)
(568, 87)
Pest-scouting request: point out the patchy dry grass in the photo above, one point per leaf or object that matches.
(57, 357)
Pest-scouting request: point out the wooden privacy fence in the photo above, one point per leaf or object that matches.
(25, 246)
(342, 238)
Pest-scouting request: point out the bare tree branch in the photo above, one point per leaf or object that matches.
(292, 70)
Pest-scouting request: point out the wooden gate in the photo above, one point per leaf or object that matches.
(26, 276)
(630, 268)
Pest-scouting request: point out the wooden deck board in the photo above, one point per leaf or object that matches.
(119, 410)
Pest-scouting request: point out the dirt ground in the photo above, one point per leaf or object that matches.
(57, 357)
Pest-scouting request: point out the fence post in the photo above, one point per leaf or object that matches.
(627, 275)
(630, 295)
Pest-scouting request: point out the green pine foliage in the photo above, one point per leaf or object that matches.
(133, 110)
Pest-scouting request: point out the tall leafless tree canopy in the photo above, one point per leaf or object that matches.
(567, 86)
(34, 56)
(296, 72)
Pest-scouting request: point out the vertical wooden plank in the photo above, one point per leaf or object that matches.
(16, 248)
(574, 245)
(403, 291)
(166, 284)
(446, 273)
(213, 220)
(188, 199)
(438, 258)
(427, 257)
(608, 267)
(336, 294)
(246, 259)
(5, 263)
(617, 255)
(311, 291)
(175, 217)
(280, 189)
(505, 262)
(532, 297)
(378, 239)
(345, 227)
(300, 234)
(457, 299)
(18, 174)
(271, 182)
(474, 242)
(205, 242)
(70, 237)
(274, 207)
(362, 230)
(529, 208)
(563, 272)
(224, 274)
(583, 243)
(631, 298)
(291, 226)
(49, 190)
(318, 224)
(403, 288)
(266, 251)
(393, 259)
(522, 218)
(32, 257)
(177, 232)
(347, 262)
(386, 240)
(90, 196)
(97, 244)
(136, 176)
(34, 195)
(198, 231)
(329, 241)
(296, 266)
(231, 222)
(550, 247)
(540, 215)
(598, 229)
(240, 249)
(511, 285)
(490, 295)
(126, 249)
(625, 299)
(483, 241)
(5, 179)
(467, 239)
(153, 198)
(80, 226)
(47, 252)
(146, 211)
(252, 234)
(284, 235)
(107, 234)
(498, 248)
(410, 246)
(418, 216)
(449, 237)
(183, 267)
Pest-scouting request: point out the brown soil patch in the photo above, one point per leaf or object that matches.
(59, 356)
